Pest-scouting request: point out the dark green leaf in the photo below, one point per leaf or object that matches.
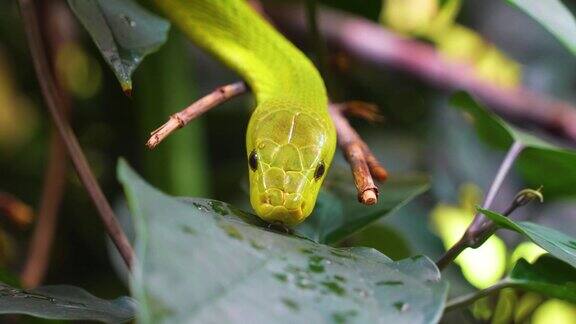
(384, 238)
(547, 276)
(327, 216)
(556, 243)
(204, 261)
(537, 162)
(554, 16)
(123, 31)
(64, 302)
(333, 220)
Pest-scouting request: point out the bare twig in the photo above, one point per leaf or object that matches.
(53, 101)
(481, 227)
(370, 42)
(362, 161)
(487, 228)
(183, 117)
(38, 257)
(56, 21)
(480, 222)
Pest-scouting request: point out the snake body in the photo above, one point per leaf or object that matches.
(290, 140)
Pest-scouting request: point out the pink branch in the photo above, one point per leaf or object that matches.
(369, 42)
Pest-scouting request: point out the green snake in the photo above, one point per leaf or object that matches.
(290, 140)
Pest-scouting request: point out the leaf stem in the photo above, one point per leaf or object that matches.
(466, 300)
(39, 249)
(505, 167)
(482, 228)
(53, 101)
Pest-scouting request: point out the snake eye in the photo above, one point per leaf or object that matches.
(320, 169)
(253, 160)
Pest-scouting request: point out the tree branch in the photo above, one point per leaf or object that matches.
(58, 26)
(53, 101)
(370, 42)
(197, 108)
(480, 222)
(481, 227)
(362, 161)
(38, 257)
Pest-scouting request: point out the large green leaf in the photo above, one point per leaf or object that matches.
(339, 215)
(538, 159)
(556, 243)
(548, 276)
(64, 302)
(554, 16)
(123, 31)
(203, 261)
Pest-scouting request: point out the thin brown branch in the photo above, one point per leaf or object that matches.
(38, 257)
(53, 101)
(370, 42)
(183, 117)
(363, 163)
(57, 22)
(481, 227)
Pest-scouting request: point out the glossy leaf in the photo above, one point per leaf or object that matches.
(538, 160)
(123, 31)
(554, 16)
(204, 261)
(66, 303)
(556, 243)
(547, 276)
(339, 215)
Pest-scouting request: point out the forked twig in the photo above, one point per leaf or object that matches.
(362, 161)
(481, 227)
(365, 167)
(183, 117)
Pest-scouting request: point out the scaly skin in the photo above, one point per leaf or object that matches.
(290, 137)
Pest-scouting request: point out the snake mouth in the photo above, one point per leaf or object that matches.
(283, 207)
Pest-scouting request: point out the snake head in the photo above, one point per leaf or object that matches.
(289, 153)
